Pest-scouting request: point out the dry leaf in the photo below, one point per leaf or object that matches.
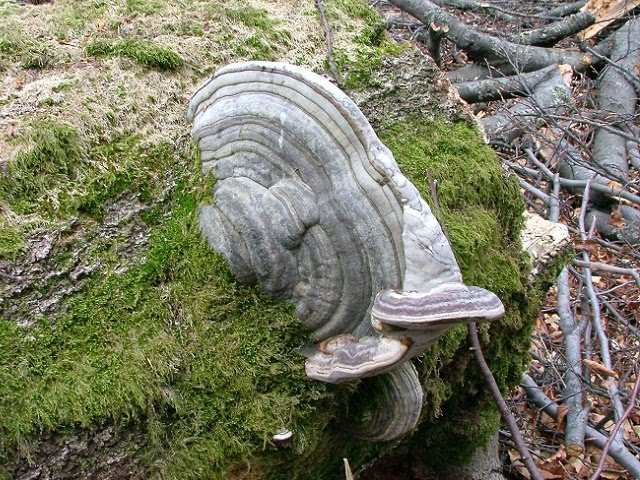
(616, 219)
(600, 369)
(610, 475)
(587, 245)
(577, 463)
(561, 415)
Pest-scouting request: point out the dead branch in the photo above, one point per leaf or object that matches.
(616, 222)
(617, 98)
(550, 95)
(328, 34)
(605, 267)
(507, 16)
(549, 35)
(573, 396)
(569, 160)
(617, 451)
(563, 10)
(503, 88)
(525, 454)
(603, 339)
(496, 52)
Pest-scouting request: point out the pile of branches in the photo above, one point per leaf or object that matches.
(556, 90)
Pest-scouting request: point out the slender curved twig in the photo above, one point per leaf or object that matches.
(502, 405)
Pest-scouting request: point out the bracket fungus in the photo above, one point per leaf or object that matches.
(311, 205)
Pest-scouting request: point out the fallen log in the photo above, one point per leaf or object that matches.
(617, 100)
(509, 57)
(550, 95)
(551, 34)
(503, 87)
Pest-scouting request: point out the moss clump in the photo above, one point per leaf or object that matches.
(144, 7)
(267, 36)
(146, 53)
(29, 52)
(34, 176)
(251, 17)
(11, 240)
(369, 45)
(62, 174)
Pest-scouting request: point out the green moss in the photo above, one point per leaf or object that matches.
(62, 174)
(8, 100)
(12, 239)
(255, 48)
(355, 9)
(186, 28)
(76, 17)
(175, 343)
(29, 52)
(62, 87)
(144, 7)
(251, 17)
(146, 53)
(370, 43)
(34, 176)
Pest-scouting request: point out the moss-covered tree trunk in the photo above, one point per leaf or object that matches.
(126, 347)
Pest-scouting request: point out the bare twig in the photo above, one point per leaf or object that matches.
(616, 451)
(583, 184)
(614, 432)
(605, 267)
(502, 406)
(328, 34)
(595, 311)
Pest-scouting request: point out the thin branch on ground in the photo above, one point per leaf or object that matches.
(507, 416)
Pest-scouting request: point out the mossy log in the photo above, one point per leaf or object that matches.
(127, 349)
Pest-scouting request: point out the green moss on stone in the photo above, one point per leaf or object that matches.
(145, 52)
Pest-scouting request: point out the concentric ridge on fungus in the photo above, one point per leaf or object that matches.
(311, 205)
